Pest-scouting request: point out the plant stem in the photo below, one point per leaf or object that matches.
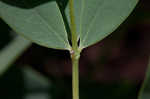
(75, 53)
(75, 78)
(73, 26)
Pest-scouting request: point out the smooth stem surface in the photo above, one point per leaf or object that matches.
(75, 78)
(73, 26)
(75, 53)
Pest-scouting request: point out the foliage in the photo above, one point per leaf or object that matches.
(59, 25)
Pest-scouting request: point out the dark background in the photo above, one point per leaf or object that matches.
(113, 68)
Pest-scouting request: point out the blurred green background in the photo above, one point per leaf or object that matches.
(111, 69)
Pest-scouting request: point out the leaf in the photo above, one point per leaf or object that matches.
(25, 3)
(34, 80)
(95, 19)
(11, 52)
(36, 85)
(42, 24)
(144, 92)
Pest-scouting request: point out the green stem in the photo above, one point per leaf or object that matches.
(73, 26)
(75, 78)
(75, 53)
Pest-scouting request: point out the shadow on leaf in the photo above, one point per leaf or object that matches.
(28, 4)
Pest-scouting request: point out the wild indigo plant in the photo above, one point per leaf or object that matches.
(70, 26)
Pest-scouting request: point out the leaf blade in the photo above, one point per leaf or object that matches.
(11, 52)
(42, 24)
(144, 92)
(96, 19)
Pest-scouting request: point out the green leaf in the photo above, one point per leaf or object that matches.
(11, 52)
(42, 24)
(144, 92)
(34, 80)
(95, 19)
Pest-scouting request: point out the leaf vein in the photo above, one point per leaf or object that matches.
(92, 22)
(49, 27)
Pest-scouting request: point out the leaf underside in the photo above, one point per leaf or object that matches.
(95, 19)
(44, 25)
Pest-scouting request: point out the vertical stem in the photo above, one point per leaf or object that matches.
(75, 53)
(73, 26)
(75, 78)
